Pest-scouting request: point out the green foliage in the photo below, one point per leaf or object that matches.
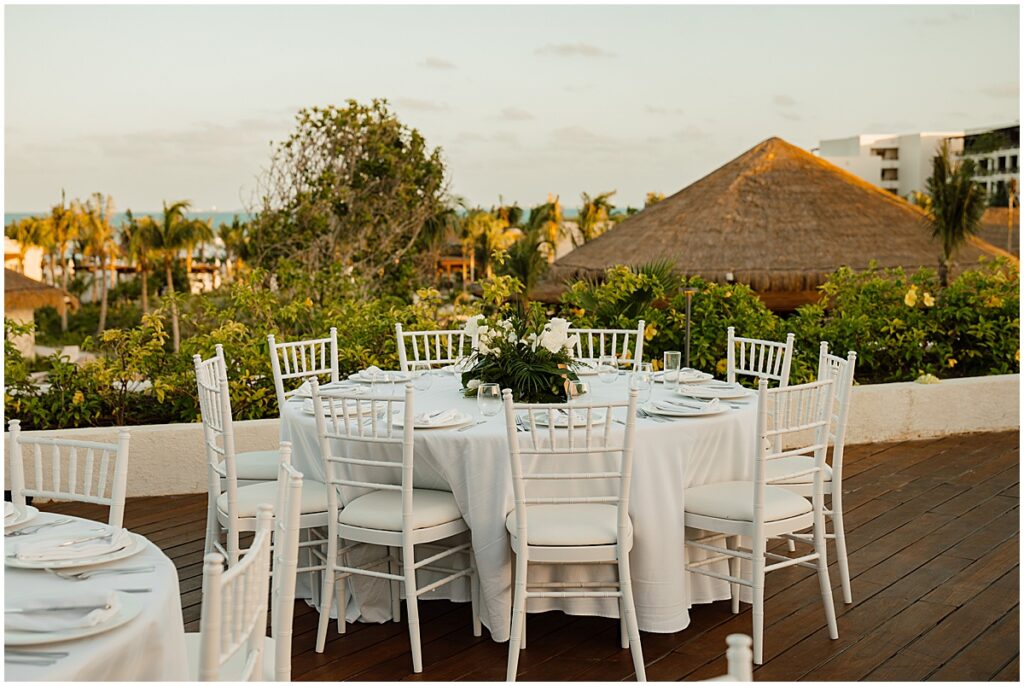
(957, 203)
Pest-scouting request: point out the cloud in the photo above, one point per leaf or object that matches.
(791, 116)
(573, 50)
(515, 114)
(419, 105)
(784, 100)
(436, 63)
(1008, 89)
(672, 111)
(503, 137)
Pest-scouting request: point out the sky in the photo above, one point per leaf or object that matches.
(153, 103)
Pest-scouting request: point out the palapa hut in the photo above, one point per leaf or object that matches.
(22, 297)
(776, 218)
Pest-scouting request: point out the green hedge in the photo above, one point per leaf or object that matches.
(901, 326)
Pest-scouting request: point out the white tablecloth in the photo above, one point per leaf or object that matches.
(150, 647)
(474, 466)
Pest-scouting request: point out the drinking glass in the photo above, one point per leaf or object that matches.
(673, 360)
(381, 383)
(488, 399)
(642, 380)
(577, 389)
(422, 379)
(608, 368)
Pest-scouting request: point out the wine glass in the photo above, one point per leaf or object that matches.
(608, 368)
(642, 380)
(488, 399)
(422, 376)
(576, 389)
(673, 360)
(381, 383)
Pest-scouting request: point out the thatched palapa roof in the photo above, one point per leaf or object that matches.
(23, 293)
(777, 218)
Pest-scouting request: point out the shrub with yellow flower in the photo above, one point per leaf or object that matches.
(910, 299)
(929, 301)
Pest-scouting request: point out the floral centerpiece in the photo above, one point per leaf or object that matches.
(531, 356)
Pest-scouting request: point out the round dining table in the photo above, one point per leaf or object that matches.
(670, 456)
(149, 647)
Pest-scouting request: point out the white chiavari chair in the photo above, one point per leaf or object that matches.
(759, 510)
(385, 510)
(253, 466)
(624, 344)
(301, 360)
(432, 348)
(66, 469)
(562, 528)
(761, 359)
(840, 370)
(231, 508)
(231, 644)
(739, 658)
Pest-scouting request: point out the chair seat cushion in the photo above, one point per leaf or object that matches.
(735, 500)
(314, 498)
(773, 469)
(569, 524)
(257, 465)
(232, 670)
(382, 510)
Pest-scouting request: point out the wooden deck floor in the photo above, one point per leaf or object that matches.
(933, 529)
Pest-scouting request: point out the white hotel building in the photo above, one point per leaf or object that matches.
(901, 164)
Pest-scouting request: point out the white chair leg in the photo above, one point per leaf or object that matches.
(212, 525)
(733, 543)
(326, 593)
(758, 564)
(820, 547)
(340, 598)
(233, 547)
(412, 606)
(518, 618)
(623, 631)
(632, 628)
(840, 531)
(474, 595)
(791, 545)
(396, 587)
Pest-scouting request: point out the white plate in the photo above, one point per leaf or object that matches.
(690, 376)
(135, 546)
(718, 389)
(129, 608)
(353, 408)
(460, 419)
(652, 408)
(22, 515)
(562, 420)
(396, 377)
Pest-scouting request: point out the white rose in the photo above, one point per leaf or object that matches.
(572, 343)
(552, 341)
(473, 324)
(473, 384)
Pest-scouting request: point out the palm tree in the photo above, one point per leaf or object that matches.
(167, 238)
(1011, 198)
(200, 232)
(64, 225)
(653, 198)
(957, 205)
(235, 237)
(485, 232)
(28, 232)
(135, 243)
(525, 261)
(594, 215)
(99, 243)
(547, 219)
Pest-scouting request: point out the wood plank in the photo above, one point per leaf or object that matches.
(982, 659)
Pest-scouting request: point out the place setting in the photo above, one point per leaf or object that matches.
(66, 616)
(17, 515)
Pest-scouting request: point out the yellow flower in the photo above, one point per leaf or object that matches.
(1017, 355)
(650, 332)
(722, 367)
(994, 301)
(929, 301)
(78, 398)
(910, 299)
(951, 362)
(308, 303)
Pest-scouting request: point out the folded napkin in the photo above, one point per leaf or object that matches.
(8, 510)
(677, 405)
(67, 611)
(50, 549)
(436, 418)
(692, 375)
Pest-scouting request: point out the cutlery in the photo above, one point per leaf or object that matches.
(524, 424)
(647, 415)
(689, 406)
(88, 574)
(36, 653)
(30, 661)
(470, 426)
(35, 610)
(29, 530)
(134, 590)
(86, 539)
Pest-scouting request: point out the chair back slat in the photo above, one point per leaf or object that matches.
(301, 360)
(346, 420)
(593, 344)
(540, 454)
(234, 607)
(759, 358)
(435, 348)
(58, 477)
(841, 371)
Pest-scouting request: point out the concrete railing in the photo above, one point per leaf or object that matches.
(169, 458)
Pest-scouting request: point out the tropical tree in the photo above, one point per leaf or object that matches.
(525, 260)
(168, 237)
(99, 243)
(29, 232)
(957, 203)
(653, 198)
(65, 224)
(547, 219)
(1012, 198)
(594, 215)
(200, 232)
(235, 237)
(483, 232)
(136, 235)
